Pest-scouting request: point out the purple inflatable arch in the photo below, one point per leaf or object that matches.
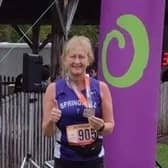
(129, 61)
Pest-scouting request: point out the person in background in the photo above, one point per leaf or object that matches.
(45, 76)
(92, 71)
(18, 84)
(78, 110)
(45, 73)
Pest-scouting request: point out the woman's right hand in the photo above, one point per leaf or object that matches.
(51, 111)
(55, 113)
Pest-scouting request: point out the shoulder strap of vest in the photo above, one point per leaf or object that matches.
(60, 87)
(95, 85)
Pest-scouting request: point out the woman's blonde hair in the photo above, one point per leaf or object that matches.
(82, 41)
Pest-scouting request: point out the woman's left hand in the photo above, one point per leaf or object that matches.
(95, 122)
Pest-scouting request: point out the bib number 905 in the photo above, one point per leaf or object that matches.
(87, 134)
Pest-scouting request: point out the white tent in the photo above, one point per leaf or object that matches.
(11, 57)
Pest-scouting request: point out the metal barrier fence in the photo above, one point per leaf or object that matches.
(21, 130)
(163, 114)
(6, 85)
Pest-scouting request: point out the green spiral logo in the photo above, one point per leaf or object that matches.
(136, 29)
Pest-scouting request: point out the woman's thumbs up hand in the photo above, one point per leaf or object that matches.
(55, 113)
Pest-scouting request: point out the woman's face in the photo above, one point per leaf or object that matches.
(76, 61)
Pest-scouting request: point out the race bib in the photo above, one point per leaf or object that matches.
(80, 134)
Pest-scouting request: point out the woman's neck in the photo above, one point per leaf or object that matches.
(79, 81)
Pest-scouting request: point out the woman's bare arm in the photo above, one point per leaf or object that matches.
(51, 113)
(107, 108)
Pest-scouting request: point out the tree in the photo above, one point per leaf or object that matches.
(91, 31)
(7, 33)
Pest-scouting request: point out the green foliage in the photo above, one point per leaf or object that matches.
(44, 31)
(8, 33)
(162, 155)
(91, 31)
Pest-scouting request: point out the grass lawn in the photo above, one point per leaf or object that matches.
(162, 155)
